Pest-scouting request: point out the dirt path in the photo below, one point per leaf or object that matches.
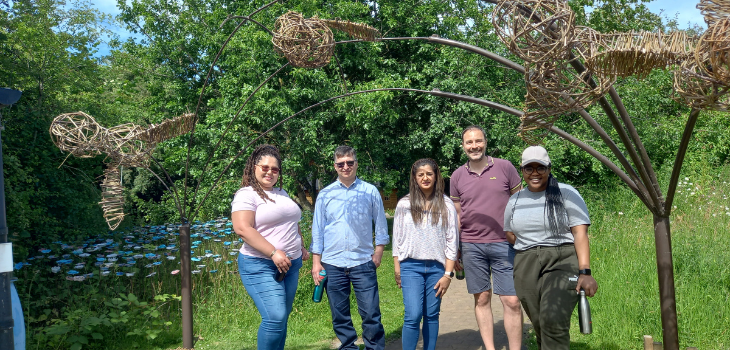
(458, 327)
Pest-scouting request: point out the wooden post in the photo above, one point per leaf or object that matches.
(648, 342)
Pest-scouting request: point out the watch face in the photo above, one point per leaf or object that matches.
(451, 274)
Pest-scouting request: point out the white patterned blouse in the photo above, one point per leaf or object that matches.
(424, 241)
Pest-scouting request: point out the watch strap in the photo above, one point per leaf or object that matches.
(584, 272)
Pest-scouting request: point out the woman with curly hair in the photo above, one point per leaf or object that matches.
(269, 261)
(425, 242)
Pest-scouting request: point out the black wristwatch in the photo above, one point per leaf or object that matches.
(584, 272)
(449, 274)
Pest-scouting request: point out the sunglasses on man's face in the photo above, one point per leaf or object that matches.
(529, 169)
(266, 168)
(350, 163)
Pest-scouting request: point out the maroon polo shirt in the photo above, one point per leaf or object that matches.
(483, 198)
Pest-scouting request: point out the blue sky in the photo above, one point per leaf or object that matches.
(685, 11)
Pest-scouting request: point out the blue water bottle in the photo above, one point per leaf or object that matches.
(318, 290)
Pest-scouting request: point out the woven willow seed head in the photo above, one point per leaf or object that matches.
(693, 87)
(714, 10)
(77, 133)
(638, 53)
(534, 30)
(715, 45)
(305, 42)
(360, 31)
(168, 129)
(112, 197)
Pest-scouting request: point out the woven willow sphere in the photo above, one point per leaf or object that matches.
(714, 10)
(715, 45)
(305, 42)
(693, 87)
(555, 87)
(534, 30)
(77, 133)
(638, 53)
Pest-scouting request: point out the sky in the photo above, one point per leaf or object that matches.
(685, 11)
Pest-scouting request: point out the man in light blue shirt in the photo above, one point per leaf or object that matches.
(342, 245)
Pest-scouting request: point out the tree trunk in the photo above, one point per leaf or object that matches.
(665, 271)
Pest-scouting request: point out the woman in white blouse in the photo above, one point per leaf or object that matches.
(425, 242)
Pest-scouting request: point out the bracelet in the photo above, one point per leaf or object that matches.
(272, 254)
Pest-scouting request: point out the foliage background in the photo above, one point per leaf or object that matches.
(48, 51)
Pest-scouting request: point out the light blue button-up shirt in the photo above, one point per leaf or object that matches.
(342, 229)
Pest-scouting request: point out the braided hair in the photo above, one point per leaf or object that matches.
(249, 172)
(554, 207)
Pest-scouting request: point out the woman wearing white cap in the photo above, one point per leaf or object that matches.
(548, 224)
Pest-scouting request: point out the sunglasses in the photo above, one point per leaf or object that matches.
(529, 170)
(266, 168)
(350, 163)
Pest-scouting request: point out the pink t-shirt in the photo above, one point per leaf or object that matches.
(483, 198)
(277, 222)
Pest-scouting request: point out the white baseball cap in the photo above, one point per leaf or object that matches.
(535, 154)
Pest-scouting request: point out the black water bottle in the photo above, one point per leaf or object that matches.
(584, 314)
(460, 273)
(279, 276)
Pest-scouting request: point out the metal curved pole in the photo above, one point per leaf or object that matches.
(202, 91)
(442, 94)
(215, 148)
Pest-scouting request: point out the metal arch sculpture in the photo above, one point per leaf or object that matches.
(538, 31)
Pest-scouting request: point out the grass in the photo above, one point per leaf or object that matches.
(623, 260)
(310, 324)
(624, 264)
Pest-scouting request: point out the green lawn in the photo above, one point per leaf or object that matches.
(623, 260)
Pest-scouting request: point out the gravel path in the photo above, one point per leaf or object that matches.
(458, 327)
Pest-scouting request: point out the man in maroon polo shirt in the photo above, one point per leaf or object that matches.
(480, 190)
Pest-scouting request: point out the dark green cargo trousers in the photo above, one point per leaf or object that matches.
(545, 280)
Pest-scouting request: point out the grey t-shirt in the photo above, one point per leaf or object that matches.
(525, 216)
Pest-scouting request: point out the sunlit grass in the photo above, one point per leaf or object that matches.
(624, 264)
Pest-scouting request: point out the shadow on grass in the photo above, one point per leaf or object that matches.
(591, 346)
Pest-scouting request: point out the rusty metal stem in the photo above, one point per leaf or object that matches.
(679, 160)
(642, 182)
(653, 181)
(665, 271)
(186, 290)
(572, 139)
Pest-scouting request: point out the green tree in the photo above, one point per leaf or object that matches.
(47, 53)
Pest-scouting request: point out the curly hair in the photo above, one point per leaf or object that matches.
(249, 172)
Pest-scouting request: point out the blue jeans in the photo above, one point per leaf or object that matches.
(418, 277)
(365, 283)
(273, 299)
